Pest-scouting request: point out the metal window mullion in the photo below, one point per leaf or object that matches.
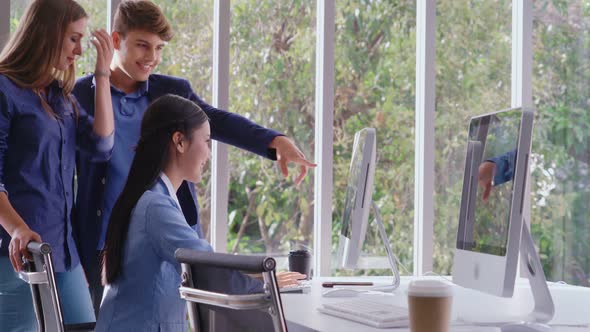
(522, 73)
(324, 135)
(4, 22)
(424, 155)
(522, 53)
(111, 9)
(220, 160)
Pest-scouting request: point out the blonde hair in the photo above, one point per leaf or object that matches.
(30, 56)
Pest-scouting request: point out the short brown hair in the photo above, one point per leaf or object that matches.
(142, 15)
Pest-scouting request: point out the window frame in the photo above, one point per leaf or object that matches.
(521, 80)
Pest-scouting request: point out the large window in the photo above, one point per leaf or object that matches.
(560, 189)
(272, 82)
(189, 55)
(374, 87)
(272, 76)
(97, 19)
(17, 9)
(473, 67)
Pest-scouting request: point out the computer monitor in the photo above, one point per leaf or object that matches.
(359, 194)
(491, 215)
(492, 234)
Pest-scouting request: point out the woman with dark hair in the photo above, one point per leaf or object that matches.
(42, 127)
(147, 225)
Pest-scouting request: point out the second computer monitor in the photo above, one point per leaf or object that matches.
(490, 219)
(359, 193)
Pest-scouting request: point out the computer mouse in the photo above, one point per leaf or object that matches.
(340, 292)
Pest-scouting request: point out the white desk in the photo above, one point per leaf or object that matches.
(572, 306)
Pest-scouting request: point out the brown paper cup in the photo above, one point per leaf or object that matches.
(429, 303)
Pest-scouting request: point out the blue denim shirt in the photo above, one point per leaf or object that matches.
(145, 296)
(37, 163)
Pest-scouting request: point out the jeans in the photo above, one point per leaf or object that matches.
(16, 304)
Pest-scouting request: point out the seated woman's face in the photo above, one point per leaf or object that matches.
(197, 155)
(72, 44)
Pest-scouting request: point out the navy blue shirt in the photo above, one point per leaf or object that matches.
(37, 163)
(504, 167)
(93, 208)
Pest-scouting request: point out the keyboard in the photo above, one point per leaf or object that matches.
(369, 312)
(302, 287)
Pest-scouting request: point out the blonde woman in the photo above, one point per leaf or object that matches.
(41, 128)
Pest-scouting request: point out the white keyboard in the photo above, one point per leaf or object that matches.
(369, 312)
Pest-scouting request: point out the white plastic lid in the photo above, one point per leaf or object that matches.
(429, 288)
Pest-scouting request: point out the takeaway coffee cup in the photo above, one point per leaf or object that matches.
(429, 303)
(300, 261)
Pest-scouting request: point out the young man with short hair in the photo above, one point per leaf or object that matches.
(140, 32)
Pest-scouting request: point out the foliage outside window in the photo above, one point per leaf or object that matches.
(17, 9)
(189, 55)
(375, 87)
(560, 186)
(272, 82)
(97, 19)
(272, 75)
(473, 70)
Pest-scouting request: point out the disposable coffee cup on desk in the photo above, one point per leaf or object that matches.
(300, 261)
(429, 303)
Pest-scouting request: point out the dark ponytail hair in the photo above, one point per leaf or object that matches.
(165, 116)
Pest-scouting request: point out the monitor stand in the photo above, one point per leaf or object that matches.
(390, 255)
(544, 309)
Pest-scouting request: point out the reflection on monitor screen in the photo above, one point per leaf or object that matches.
(490, 219)
(492, 234)
(496, 138)
(352, 186)
(359, 191)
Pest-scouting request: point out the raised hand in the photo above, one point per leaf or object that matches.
(103, 43)
(487, 171)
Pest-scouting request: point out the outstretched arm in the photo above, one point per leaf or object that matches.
(496, 171)
(243, 133)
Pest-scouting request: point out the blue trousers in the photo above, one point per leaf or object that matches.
(16, 304)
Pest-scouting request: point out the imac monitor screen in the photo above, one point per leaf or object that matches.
(359, 193)
(490, 219)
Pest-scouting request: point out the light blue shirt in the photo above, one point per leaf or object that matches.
(128, 110)
(145, 296)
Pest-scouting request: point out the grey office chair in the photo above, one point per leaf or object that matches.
(253, 309)
(40, 276)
